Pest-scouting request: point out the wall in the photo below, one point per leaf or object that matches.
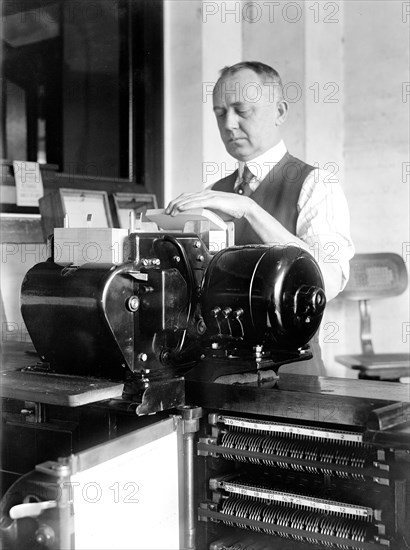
(343, 65)
(377, 147)
(16, 260)
(183, 108)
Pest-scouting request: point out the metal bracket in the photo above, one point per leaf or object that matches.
(365, 328)
(207, 441)
(190, 425)
(190, 417)
(34, 412)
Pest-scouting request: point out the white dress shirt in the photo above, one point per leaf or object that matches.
(323, 221)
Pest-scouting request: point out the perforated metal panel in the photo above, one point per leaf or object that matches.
(377, 275)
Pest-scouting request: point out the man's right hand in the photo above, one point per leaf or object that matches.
(230, 205)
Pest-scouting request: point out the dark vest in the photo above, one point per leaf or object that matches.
(278, 194)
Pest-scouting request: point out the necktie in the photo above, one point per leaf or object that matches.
(243, 188)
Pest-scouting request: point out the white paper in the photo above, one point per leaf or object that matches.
(176, 223)
(130, 502)
(79, 206)
(29, 184)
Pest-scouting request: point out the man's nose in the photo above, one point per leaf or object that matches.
(231, 120)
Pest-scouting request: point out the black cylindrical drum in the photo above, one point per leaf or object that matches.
(263, 294)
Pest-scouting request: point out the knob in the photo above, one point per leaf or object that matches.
(45, 536)
(216, 311)
(132, 303)
(226, 312)
(309, 300)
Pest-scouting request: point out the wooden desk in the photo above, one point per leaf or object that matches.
(50, 389)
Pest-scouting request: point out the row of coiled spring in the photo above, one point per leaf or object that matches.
(296, 518)
(291, 447)
(294, 434)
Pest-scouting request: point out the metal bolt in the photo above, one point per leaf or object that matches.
(201, 326)
(197, 244)
(142, 357)
(200, 258)
(226, 312)
(144, 261)
(176, 259)
(144, 289)
(41, 538)
(45, 535)
(133, 303)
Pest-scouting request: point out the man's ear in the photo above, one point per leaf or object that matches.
(282, 110)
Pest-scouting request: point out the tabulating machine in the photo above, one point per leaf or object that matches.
(260, 460)
(164, 305)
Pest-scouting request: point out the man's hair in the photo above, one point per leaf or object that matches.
(265, 72)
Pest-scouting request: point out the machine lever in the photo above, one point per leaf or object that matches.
(30, 509)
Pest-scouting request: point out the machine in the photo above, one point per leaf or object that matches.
(166, 305)
(213, 448)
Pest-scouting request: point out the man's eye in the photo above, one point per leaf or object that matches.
(219, 114)
(243, 112)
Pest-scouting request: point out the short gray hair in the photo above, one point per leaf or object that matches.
(265, 72)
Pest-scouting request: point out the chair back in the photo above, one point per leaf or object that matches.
(375, 275)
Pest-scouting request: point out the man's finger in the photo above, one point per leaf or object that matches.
(173, 203)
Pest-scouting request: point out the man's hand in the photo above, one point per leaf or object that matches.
(231, 205)
(269, 230)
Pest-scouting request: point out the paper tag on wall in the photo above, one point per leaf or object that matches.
(29, 184)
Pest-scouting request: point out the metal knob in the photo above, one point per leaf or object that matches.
(132, 303)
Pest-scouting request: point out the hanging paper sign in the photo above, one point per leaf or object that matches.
(29, 184)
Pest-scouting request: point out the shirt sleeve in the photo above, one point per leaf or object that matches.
(323, 221)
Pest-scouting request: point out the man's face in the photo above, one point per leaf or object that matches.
(248, 114)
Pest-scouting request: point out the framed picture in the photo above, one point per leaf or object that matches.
(81, 206)
(124, 203)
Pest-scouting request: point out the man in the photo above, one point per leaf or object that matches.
(273, 197)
